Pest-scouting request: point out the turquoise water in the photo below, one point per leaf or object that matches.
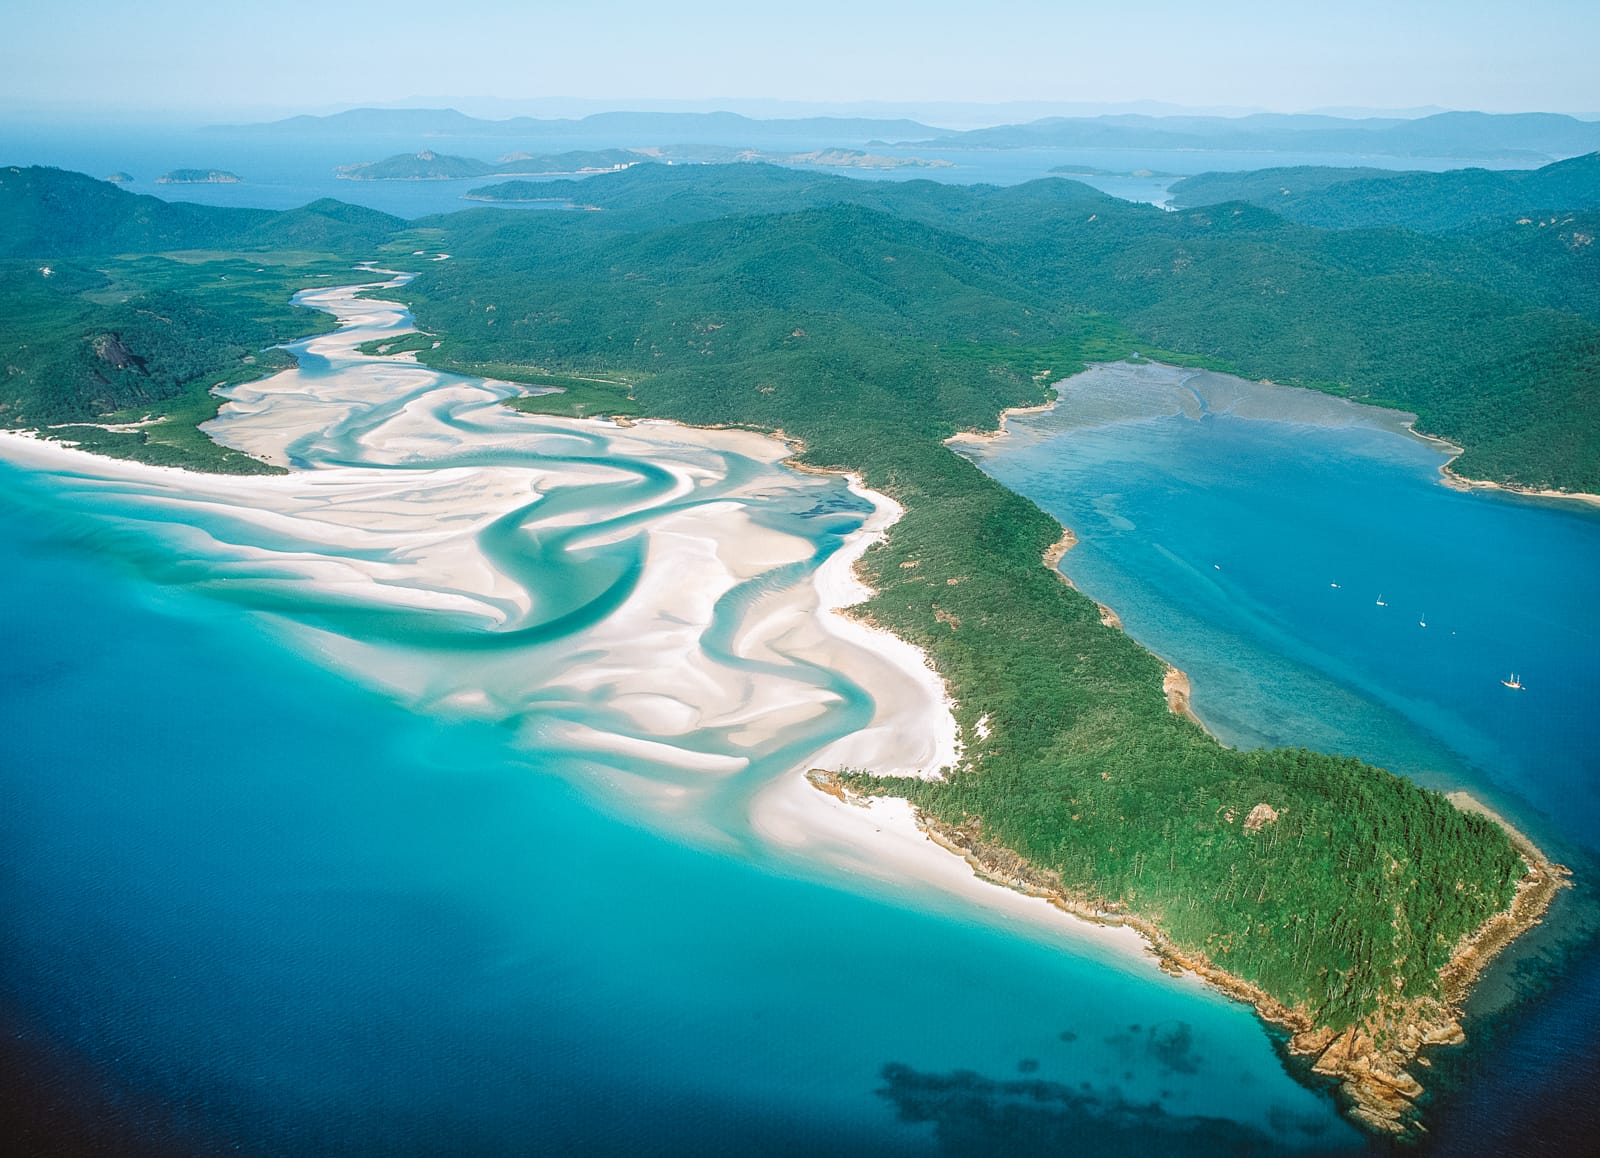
(1247, 534)
(265, 893)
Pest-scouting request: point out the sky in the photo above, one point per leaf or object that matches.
(222, 58)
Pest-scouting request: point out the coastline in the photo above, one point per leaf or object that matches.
(1373, 1078)
(1403, 421)
(1367, 1061)
(1458, 482)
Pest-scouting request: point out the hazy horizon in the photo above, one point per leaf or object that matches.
(183, 60)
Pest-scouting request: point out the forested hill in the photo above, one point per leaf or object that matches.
(1431, 202)
(1493, 340)
(131, 308)
(55, 214)
(1491, 337)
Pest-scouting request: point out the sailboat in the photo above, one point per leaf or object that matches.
(1423, 622)
(1381, 603)
(1513, 683)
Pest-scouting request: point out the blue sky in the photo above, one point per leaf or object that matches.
(208, 59)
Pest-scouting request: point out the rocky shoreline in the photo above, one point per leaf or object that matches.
(1368, 1062)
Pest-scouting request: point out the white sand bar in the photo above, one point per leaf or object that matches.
(648, 600)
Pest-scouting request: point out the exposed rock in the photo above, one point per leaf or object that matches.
(1260, 816)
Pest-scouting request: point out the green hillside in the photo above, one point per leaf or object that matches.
(117, 308)
(1429, 202)
(1491, 339)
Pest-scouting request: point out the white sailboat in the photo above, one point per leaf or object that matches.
(1513, 683)
(1381, 603)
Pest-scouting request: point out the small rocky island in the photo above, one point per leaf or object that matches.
(197, 177)
(120, 178)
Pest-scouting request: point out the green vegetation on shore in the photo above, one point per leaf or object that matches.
(128, 312)
(1493, 340)
(1460, 199)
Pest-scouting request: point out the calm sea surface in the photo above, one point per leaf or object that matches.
(287, 172)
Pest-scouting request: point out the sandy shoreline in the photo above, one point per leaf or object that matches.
(1457, 482)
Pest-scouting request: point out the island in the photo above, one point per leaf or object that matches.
(868, 324)
(1091, 171)
(430, 166)
(424, 166)
(856, 159)
(199, 177)
(120, 178)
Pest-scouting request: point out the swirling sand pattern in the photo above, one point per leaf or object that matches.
(651, 600)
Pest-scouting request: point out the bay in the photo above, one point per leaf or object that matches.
(1299, 557)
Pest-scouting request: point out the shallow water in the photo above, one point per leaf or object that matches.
(1247, 533)
(333, 834)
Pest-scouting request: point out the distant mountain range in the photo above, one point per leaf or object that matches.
(1484, 136)
(1533, 138)
(624, 127)
(430, 166)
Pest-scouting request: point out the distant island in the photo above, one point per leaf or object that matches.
(198, 177)
(662, 126)
(855, 159)
(430, 166)
(1091, 171)
(1533, 138)
(120, 178)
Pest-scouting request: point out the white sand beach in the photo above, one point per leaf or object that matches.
(692, 683)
